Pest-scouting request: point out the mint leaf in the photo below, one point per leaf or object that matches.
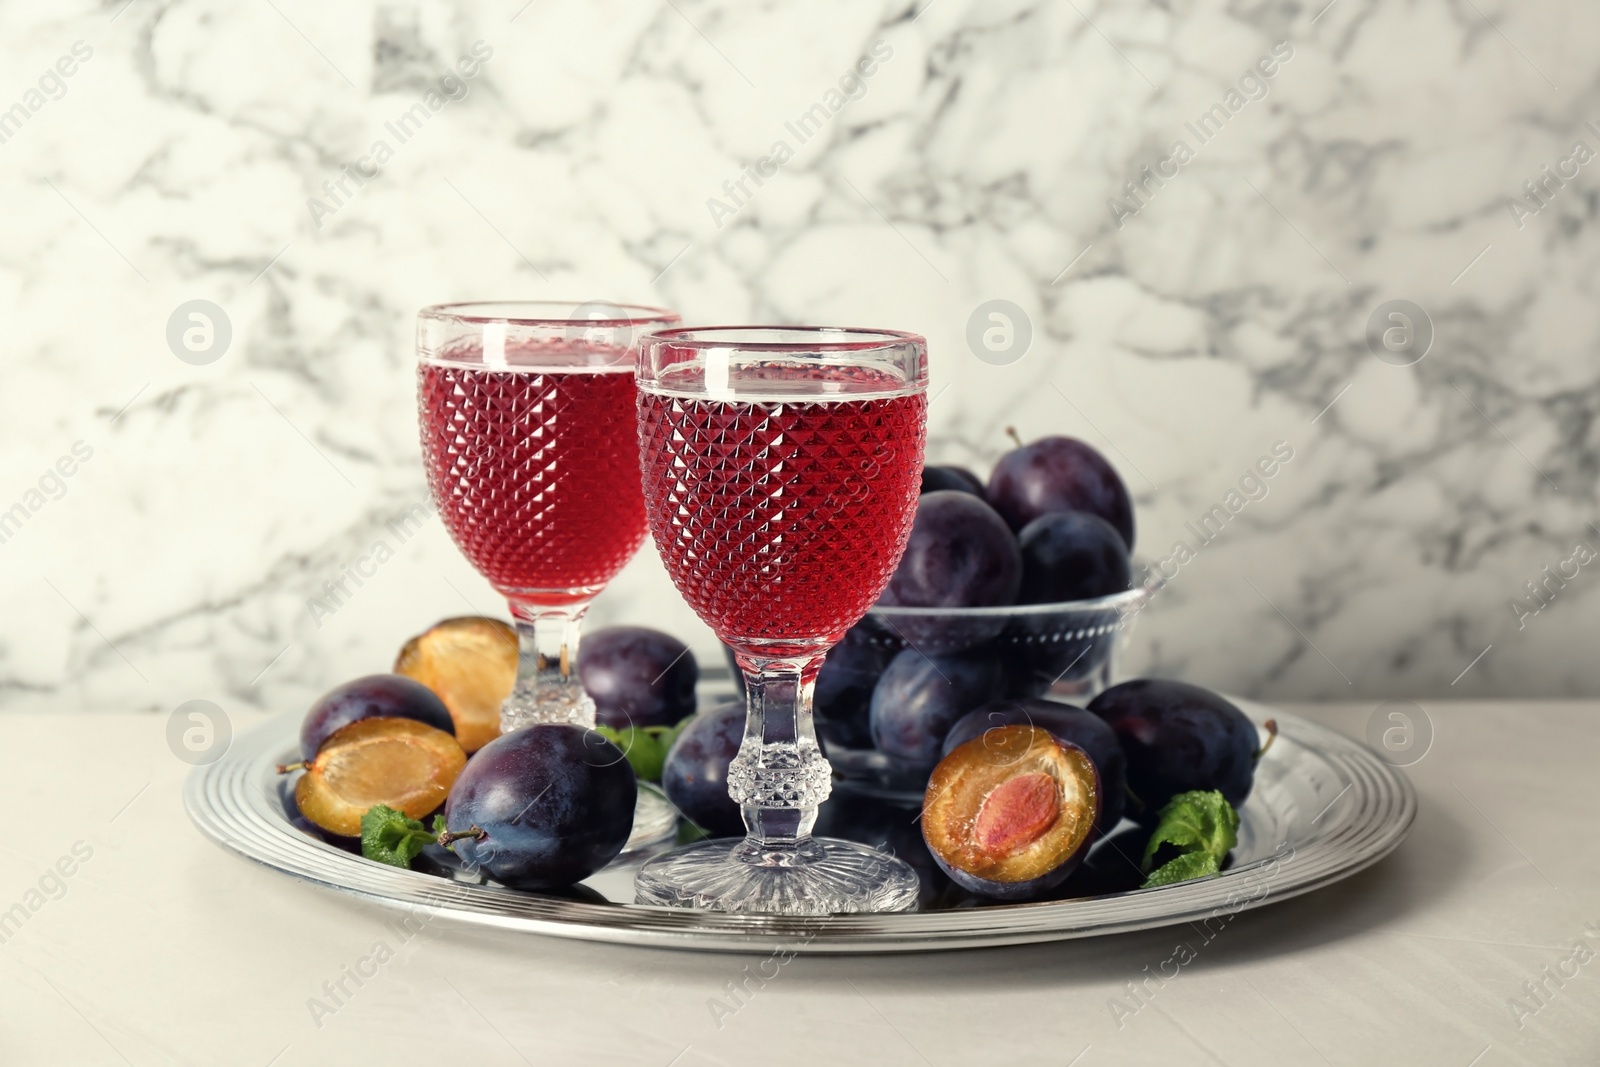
(645, 746)
(388, 836)
(1185, 867)
(1193, 823)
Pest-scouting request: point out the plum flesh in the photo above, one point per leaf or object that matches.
(404, 764)
(1066, 723)
(470, 663)
(1010, 814)
(377, 696)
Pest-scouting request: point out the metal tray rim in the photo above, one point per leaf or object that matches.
(227, 805)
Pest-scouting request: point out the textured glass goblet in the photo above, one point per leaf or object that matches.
(529, 441)
(781, 470)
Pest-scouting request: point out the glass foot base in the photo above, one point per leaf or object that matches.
(823, 877)
(654, 820)
(547, 704)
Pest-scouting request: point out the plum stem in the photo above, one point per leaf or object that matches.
(1012, 431)
(448, 838)
(298, 765)
(1271, 726)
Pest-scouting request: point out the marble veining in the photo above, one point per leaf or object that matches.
(254, 528)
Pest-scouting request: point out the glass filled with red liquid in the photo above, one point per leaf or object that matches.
(530, 443)
(781, 468)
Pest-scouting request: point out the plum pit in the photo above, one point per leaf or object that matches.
(1016, 813)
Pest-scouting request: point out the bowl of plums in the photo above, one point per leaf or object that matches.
(974, 724)
(1008, 590)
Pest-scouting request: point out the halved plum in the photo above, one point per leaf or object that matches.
(402, 763)
(1010, 813)
(1070, 725)
(377, 696)
(471, 664)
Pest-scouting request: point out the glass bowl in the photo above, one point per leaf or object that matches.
(1066, 651)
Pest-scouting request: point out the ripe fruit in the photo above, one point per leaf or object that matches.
(375, 696)
(843, 696)
(471, 664)
(402, 763)
(1059, 474)
(542, 807)
(1068, 724)
(637, 676)
(961, 554)
(1071, 555)
(920, 697)
(1011, 813)
(1180, 737)
(936, 479)
(695, 777)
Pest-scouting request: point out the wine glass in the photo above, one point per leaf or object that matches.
(781, 470)
(531, 450)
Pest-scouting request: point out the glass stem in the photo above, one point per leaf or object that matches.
(547, 688)
(779, 778)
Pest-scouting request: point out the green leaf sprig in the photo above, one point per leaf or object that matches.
(645, 746)
(1202, 827)
(389, 836)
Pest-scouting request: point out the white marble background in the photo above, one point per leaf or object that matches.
(176, 163)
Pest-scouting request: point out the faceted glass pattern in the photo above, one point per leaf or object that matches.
(536, 475)
(781, 522)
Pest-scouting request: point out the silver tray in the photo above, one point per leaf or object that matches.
(1323, 808)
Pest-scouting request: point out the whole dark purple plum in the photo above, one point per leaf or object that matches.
(1059, 474)
(960, 554)
(542, 807)
(637, 676)
(377, 696)
(936, 479)
(920, 697)
(1179, 737)
(843, 698)
(1071, 555)
(695, 777)
(1065, 722)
